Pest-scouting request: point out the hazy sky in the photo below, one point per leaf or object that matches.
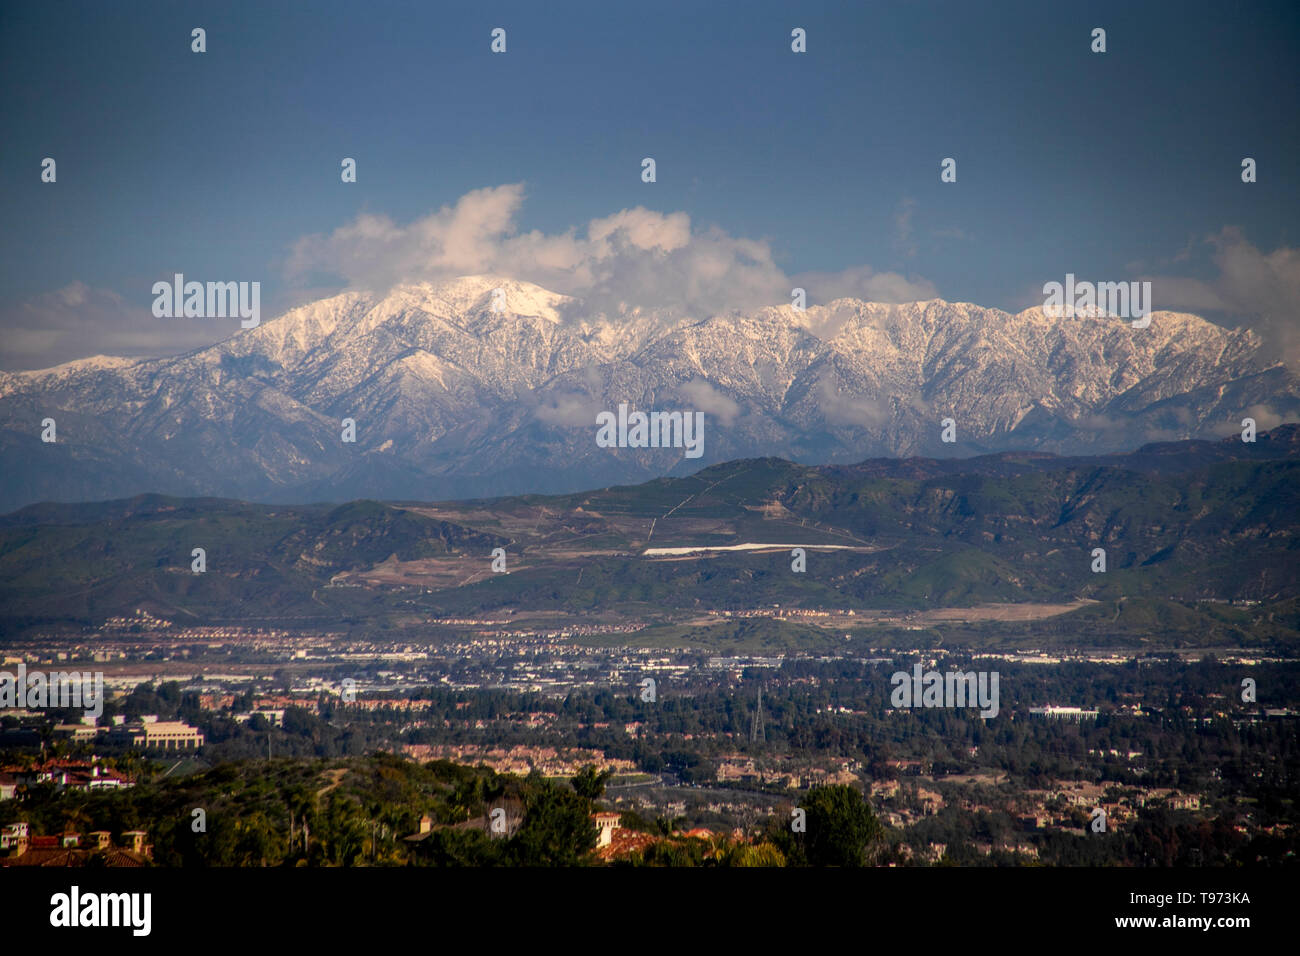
(773, 167)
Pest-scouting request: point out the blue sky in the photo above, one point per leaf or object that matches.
(1112, 166)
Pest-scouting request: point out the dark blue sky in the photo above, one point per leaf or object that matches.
(1109, 165)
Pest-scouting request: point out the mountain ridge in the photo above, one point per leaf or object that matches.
(452, 398)
(1201, 532)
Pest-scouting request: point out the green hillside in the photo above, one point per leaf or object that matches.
(1187, 530)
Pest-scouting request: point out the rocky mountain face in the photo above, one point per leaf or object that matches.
(460, 392)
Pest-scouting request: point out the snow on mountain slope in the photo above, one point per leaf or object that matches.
(455, 397)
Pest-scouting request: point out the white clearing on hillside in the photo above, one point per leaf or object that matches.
(651, 552)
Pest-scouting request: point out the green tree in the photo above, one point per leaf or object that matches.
(841, 829)
(589, 783)
(557, 828)
(758, 854)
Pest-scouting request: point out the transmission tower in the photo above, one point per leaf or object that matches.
(756, 732)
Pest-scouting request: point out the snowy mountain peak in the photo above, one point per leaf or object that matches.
(473, 391)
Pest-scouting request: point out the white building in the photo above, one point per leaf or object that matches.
(1062, 713)
(606, 824)
(13, 836)
(158, 735)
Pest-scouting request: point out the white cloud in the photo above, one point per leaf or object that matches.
(862, 282)
(79, 320)
(1260, 289)
(703, 397)
(635, 258)
(374, 252)
(903, 227)
(570, 410)
(840, 409)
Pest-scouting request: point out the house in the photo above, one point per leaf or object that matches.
(15, 837)
(931, 802)
(72, 775)
(154, 734)
(134, 840)
(273, 717)
(624, 842)
(503, 818)
(1173, 799)
(426, 828)
(1081, 794)
(606, 824)
(66, 850)
(77, 733)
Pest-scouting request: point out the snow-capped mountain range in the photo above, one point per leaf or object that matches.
(455, 398)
